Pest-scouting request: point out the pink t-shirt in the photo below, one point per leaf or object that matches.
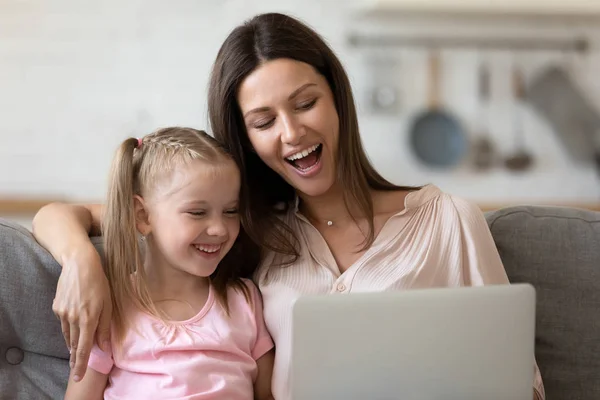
(210, 356)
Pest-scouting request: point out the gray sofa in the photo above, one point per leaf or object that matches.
(555, 249)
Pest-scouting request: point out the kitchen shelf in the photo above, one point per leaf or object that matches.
(574, 44)
(531, 9)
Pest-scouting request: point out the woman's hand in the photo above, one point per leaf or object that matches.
(83, 305)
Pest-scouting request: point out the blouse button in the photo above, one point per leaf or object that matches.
(341, 287)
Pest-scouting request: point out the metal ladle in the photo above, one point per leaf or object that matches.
(521, 159)
(483, 146)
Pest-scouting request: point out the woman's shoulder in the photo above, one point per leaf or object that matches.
(443, 217)
(430, 199)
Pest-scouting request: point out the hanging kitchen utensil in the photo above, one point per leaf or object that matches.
(484, 153)
(436, 137)
(383, 90)
(556, 97)
(521, 159)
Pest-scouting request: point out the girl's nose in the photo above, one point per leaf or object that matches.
(217, 227)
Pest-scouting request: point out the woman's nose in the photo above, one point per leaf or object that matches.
(292, 130)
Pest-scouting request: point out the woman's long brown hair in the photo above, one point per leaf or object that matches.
(261, 39)
(136, 170)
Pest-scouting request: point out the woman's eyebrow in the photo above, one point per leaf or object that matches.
(300, 89)
(256, 111)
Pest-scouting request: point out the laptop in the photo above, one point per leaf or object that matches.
(468, 343)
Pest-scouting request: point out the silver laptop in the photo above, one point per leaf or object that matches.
(470, 343)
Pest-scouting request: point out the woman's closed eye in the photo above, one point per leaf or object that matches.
(306, 105)
(268, 122)
(232, 212)
(263, 124)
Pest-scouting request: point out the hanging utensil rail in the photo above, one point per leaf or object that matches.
(576, 44)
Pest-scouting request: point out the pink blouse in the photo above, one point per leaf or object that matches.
(437, 240)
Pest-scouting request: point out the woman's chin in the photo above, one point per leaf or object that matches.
(314, 188)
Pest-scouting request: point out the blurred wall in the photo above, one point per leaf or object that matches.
(78, 77)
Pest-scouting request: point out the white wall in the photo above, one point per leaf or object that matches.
(78, 77)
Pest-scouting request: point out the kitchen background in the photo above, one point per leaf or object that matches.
(77, 77)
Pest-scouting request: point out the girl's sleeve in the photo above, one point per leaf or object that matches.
(263, 342)
(100, 361)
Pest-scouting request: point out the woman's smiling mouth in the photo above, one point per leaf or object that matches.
(306, 160)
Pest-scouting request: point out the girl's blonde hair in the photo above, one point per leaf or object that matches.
(138, 166)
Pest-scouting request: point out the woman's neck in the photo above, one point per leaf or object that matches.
(329, 208)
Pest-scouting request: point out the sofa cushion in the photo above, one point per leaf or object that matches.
(33, 354)
(558, 251)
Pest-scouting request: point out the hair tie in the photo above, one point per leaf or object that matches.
(139, 143)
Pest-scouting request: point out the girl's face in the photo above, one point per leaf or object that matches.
(292, 123)
(193, 217)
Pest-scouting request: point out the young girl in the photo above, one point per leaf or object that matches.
(186, 325)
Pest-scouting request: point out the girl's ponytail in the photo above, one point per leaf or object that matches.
(121, 247)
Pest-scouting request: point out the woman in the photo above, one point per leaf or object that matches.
(325, 219)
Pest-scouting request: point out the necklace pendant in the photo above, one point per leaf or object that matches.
(329, 223)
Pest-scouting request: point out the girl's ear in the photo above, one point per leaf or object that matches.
(140, 210)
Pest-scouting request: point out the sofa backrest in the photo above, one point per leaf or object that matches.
(555, 249)
(558, 251)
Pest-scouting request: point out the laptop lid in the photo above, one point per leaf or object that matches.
(448, 343)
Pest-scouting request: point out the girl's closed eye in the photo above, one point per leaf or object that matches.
(232, 212)
(197, 213)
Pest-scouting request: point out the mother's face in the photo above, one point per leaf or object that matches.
(292, 123)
